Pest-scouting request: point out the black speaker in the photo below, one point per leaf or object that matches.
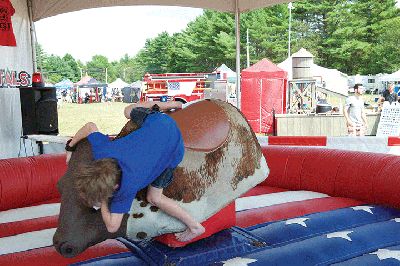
(39, 110)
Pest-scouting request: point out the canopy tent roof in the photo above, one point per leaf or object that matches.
(89, 82)
(118, 84)
(226, 69)
(137, 84)
(230, 74)
(395, 76)
(264, 68)
(47, 8)
(84, 80)
(65, 84)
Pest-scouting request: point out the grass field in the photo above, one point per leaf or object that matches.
(109, 117)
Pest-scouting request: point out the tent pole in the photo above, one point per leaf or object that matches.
(33, 35)
(237, 33)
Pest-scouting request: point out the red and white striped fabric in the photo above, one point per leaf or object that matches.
(390, 145)
(339, 179)
(277, 205)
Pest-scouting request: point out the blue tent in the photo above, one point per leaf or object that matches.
(65, 84)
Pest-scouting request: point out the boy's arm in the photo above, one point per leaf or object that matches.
(81, 134)
(111, 220)
(164, 106)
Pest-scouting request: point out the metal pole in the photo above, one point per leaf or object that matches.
(237, 33)
(80, 71)
(290, 6)
(33, 35)
(106, 75)
(248, 49)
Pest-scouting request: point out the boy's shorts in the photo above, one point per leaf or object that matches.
(164, 179)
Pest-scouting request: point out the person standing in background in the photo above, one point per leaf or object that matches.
(354, 113)
(389, 95)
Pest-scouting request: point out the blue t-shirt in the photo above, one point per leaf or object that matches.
(142, 156)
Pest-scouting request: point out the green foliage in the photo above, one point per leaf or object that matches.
(351, 34)
(98, 67)
(354, 36)
(268, 33)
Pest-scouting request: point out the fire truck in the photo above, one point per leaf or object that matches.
(184, 87)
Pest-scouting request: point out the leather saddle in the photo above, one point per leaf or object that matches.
(204, 125)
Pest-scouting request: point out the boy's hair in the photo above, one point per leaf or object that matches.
(96, 181)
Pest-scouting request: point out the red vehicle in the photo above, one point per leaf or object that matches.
(183, 87)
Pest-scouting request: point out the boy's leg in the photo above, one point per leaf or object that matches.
(169, 206)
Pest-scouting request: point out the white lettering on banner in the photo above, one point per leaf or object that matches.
(12, 78)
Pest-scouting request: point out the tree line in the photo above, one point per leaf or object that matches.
(353, 36)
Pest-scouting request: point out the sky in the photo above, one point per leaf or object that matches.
(112, 32)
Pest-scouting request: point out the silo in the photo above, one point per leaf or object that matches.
(301, 64)
(302, 87)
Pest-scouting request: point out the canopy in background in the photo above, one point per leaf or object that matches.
(230, 74)
(84, 80)
(264, 68)
(137, 84)
(65, 84)
(89, 82)
(394, 77)
(263, 91)
(118, 84)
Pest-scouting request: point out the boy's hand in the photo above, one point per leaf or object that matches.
(68, 156)
(111, 220)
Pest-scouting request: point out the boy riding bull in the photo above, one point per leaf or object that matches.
(146, 157)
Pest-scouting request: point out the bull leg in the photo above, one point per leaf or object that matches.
(156, 197)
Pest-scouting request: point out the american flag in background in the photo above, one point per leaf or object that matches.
(174, 86)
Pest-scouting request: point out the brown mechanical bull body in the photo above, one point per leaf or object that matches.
(222, 160)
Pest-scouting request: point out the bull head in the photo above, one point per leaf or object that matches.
(76, 218)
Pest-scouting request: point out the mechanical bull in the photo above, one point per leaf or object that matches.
(222, 160)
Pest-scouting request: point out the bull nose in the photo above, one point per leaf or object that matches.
(67, 250)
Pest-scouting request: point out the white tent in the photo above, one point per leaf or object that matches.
(118, 84)
(394, 77)
(334, 80)
(45, 8)
(225, 70)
